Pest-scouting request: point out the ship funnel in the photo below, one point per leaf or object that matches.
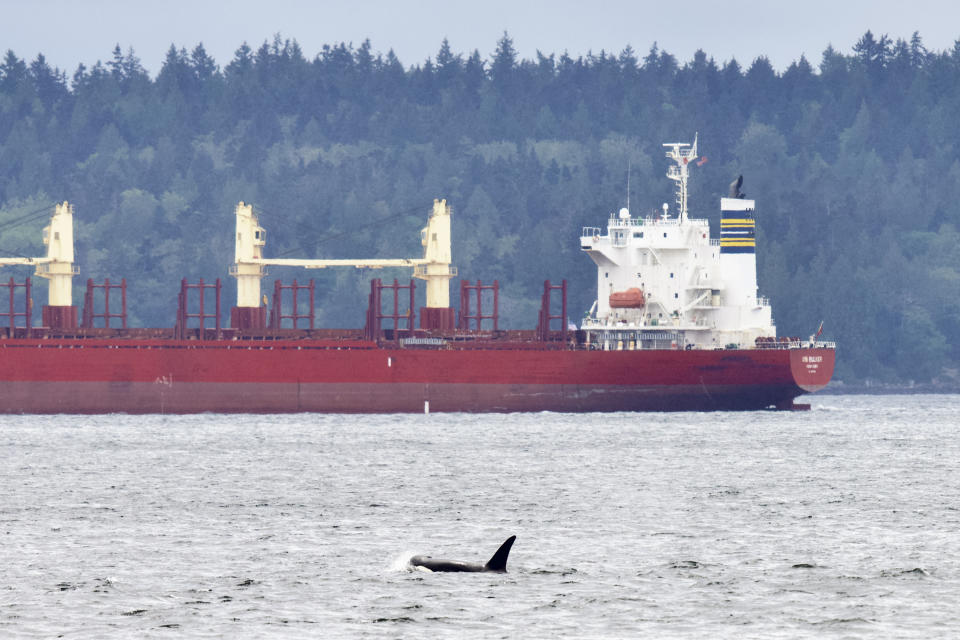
(738, 248)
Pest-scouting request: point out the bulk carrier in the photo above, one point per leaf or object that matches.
(677, 326)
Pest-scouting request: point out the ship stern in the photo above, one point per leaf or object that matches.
(812, 368)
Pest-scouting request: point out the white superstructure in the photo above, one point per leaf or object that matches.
(664, 283)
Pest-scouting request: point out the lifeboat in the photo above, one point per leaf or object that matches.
(630, 299)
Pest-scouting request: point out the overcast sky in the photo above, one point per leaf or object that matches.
(69, 32)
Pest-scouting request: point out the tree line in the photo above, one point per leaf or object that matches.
(852, 163)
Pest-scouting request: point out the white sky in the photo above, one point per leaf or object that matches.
(68, 32)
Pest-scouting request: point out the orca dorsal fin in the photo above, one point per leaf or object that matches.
(498, 562)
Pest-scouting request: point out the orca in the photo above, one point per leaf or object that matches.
(496, 564)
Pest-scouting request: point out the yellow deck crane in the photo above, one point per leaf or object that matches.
(434, 266)
(57, 267)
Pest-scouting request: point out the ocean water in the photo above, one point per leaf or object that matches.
(843, 521)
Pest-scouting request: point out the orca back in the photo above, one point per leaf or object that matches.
(498, 563)
(428, 563)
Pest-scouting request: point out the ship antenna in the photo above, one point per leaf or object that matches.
(628, 183)
(682, 154)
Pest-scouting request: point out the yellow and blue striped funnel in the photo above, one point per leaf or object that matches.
(737, 230)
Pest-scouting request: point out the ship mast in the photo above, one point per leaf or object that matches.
(682, 154)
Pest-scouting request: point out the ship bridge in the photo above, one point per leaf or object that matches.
(661, 232)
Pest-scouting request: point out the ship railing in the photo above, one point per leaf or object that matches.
(811, 344)
(796, 343)
(422, 271)
(655, 222)
(778, 343)
(45, 268)
(590, 232)
(643, 222)
(632, 338)
(234, 270)
(714, 242)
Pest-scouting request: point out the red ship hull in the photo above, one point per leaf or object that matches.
(286, 376)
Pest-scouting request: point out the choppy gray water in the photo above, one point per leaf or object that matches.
(838, 522)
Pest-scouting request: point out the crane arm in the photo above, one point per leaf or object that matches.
(323, 264)
(4, 262)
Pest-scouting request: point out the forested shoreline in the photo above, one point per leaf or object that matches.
(853, 163)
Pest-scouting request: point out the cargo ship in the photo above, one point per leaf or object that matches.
(677, 326)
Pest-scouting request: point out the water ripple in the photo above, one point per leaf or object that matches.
(840, 521)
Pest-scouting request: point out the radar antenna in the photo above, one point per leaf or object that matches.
(682, 154)
(628, 183)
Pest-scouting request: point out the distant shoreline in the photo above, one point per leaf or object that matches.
(878, 389)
